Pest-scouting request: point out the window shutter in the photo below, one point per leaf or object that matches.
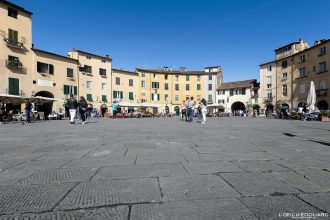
(152, 97)
(104, 98)
(15, 36)
(75, 90)
(114, 94)
(65, 90)
(121, 95)
(243, 91)
(158, 97)
(231, 92)
(51, 69)
(10, 34)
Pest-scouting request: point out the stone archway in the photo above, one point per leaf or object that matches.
(237, 106)
(47, 108)
(322, 105)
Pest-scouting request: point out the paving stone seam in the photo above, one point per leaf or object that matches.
(129, 212)
(219, 175)
(183, 166)
(125, 152)
(160, 189)
(69, 191)
(300, 198)
(96, 171)
(135, 160)
(254, 214)
(83, 156)
(35, 159)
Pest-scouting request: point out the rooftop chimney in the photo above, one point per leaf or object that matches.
(107, 56)
(183, 69)
(165, 68)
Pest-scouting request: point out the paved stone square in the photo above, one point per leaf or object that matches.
(229, 168)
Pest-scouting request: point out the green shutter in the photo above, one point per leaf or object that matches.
(13, 86)
(187, 78)
(243, 91)
(89, 97)
(104, 98)
(231, 92)
(114, 94)
(152, 96)
(66, 89)
(158, 97)
(75, 90)
(15, 36)
(121, 95)
(51, 69)
(130, 96)
(198, 86)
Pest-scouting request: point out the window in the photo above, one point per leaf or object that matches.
(166, 76)
(198, 78)
(155, 97)
(69, 73)
(198, 86)
(209, 99)
(143, 74)
(155, 76)
(302, 72)
(269, 80)
(198, 98)
(130, 82)
(285, 90)
(89, 84)
(143, 84)
(117, 80)
(323, 67)
(284, 76)
(143, 100)
(269, 86)
(45, 68)
(12, 35)
(302, 88)
(104, 61)
(269, 68)
(210, 87)
(302, 58)
(284, 64)
(322, 85)
(177, 76)
(155, 85)
(187, 77)
(130, 96)
(323, 50)
(104, 86)
(103, 72)
(187, 87)
(241, 91)
(70, 90)
(87, 69)
(269, 95)
(210, 77)
(221, 92)
(176, 98)
(104, 98)
(231, 92)
(89, 97)
(14, 62)
(221, 101)
(177, 87)
(13, 86)
(12, 13)
(118, 95)
(88, 57)
(166, 86)
(166, 97)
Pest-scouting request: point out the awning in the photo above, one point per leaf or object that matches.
(215, 106)
(150, 105)
(42, 100)
(129, 104)
(11, 99)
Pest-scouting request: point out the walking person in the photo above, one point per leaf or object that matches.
(28, 107)
(104, 108)
(204, 110)
(73, 105)
(82, 109)
(183, 110)
(114, 107)
(191, 107)
(199, 112)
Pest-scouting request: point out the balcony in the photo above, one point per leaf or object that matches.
(15, 65)
(321, 92)
(103, 75)
(15, 44)
(14, 92)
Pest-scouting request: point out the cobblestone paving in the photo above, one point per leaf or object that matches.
(230, 168)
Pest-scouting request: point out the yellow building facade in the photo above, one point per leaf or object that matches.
(166, 87)
(94, 77)
(286, 80)
(125, 86)
(15, 50)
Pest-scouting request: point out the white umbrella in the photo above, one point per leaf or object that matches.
(311, 98)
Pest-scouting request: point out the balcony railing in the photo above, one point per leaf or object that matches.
(15, 65)
(14, 92)
(15, 44)
(321, 92)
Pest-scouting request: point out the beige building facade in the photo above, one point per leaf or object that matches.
(167, 87)
(286, 80)
(125, 86)
(15, 46)
(94, 77)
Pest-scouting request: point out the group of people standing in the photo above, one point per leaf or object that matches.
(75, 105)
(188, 110)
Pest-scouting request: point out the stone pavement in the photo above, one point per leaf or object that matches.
(230, 168)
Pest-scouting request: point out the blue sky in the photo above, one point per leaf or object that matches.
(236, 34)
